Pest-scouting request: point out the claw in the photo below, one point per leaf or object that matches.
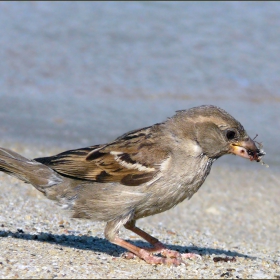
(169, 257)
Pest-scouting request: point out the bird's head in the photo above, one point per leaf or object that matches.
(216, 132)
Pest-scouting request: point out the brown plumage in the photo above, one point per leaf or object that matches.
(141, 173)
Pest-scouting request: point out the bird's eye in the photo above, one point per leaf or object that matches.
(231, 134)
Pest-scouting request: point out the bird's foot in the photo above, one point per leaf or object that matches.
(169, 257)
(191, 256)
(128, 255)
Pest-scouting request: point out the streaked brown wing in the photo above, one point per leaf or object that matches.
(127, 160)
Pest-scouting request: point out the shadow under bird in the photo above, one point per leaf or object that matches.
(141, 173)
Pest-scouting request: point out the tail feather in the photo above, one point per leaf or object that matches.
(29, 171)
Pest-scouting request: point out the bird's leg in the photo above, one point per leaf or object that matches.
(170, 257)
(145, 254)
(158, 247)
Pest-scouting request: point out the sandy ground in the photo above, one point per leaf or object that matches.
(235, 216)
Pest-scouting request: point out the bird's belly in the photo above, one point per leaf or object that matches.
(166, 193)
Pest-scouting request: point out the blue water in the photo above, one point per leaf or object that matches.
(74, 74)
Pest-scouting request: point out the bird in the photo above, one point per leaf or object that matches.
(141, 173)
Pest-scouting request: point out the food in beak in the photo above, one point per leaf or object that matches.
(247, 149)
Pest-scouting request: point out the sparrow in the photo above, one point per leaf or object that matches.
(141, 173)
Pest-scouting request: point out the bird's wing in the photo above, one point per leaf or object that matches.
(131, 159)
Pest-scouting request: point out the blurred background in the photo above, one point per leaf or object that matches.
(74, 74)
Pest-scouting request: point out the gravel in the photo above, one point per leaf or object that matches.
(232, 222)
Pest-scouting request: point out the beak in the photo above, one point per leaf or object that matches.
(247, 149)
